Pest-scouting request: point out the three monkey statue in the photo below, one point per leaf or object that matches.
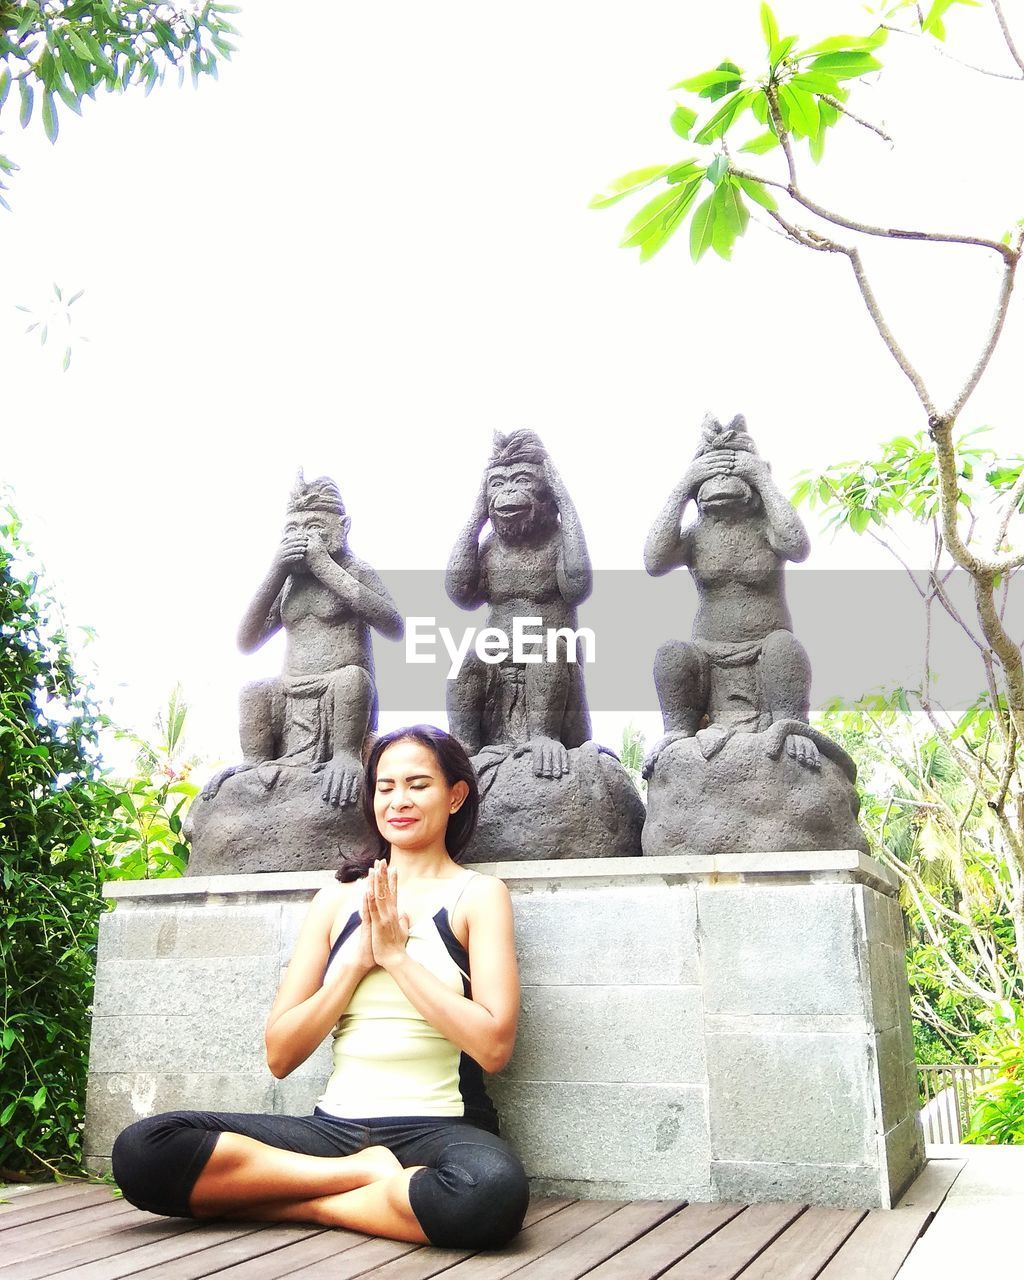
(739, 768)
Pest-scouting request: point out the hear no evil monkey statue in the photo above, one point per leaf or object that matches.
(739, 768)
(548, 790)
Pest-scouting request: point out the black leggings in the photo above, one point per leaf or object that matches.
(472, 1194)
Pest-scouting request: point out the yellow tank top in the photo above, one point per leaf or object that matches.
(388, 1060)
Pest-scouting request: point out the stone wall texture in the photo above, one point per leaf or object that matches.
(702, 1028)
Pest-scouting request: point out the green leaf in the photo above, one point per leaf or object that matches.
(685, 171)
(714, 84)
(635, 180)
(50, 123)
(27, 98)
(65, 363)
(846, 66)
(5, 85)
(682, 120)
(802, 110)
(723, 118)
(769, 26)
(731, 218)
(702, 228)
(816, 82)
(762, 143)
(648, 220)
(847, 44)
(758, 193)
(780, 49)
(717, 169)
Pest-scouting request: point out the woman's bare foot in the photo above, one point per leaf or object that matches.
(380, 1161)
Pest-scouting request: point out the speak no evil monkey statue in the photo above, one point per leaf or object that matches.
(292, 802)
(548, 790)
(739, 769)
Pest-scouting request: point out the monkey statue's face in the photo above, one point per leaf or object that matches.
(331, 528)
(726, 495)
(519, 502)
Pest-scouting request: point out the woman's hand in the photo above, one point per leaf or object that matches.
(363, 958)
(389, 931)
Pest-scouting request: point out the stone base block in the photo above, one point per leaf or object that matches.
(732, 1027)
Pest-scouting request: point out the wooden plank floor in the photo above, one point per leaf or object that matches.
(84, 1232)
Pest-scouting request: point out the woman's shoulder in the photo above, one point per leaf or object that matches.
(485, 890)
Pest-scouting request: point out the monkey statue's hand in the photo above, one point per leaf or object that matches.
(550, 758)
(704, 467)
(291, 554)
(481, 513)
(554, 482)
(317, 557)
(750, 467)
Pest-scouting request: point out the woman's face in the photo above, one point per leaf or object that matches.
(412, 800)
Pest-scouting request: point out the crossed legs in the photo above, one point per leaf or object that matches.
(367, 1191)
(418, 1179)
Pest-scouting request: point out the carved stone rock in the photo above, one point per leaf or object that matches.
(739, 769)
(593, 810)
(743, 800)
(283, 826)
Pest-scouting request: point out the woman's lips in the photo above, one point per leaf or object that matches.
(401, 822)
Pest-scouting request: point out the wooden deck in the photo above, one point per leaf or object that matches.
(80, 1231)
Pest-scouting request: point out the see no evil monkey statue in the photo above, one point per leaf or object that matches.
(739, 769)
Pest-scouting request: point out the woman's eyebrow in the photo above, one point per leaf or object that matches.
(412, 777)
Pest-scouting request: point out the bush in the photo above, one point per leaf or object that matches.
(51, 799)
(65, 829)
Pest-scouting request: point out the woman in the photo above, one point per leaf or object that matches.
(404, 1141)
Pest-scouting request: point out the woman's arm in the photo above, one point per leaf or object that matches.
(484, 1026)
(304, 1010)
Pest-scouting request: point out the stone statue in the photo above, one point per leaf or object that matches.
(531, 716)
(534, 563)
(303, 732)
(743, 672)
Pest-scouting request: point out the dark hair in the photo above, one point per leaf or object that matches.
(455, 766)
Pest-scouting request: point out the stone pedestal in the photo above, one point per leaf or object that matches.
(703, 1028)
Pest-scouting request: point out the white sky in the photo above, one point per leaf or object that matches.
(368, 246)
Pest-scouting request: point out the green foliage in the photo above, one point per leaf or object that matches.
(926, 821)
(68, 49)
(632, 756)
(795, 96)
(65, 829)
(902, 480)
(999, 1111)
(50, 799)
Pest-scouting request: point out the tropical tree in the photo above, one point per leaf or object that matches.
(63, 51)
(749, 133)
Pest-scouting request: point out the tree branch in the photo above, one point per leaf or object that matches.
(937, 48)
(997, 8)
(842, 107)
(895, 350)
(1016, 493)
